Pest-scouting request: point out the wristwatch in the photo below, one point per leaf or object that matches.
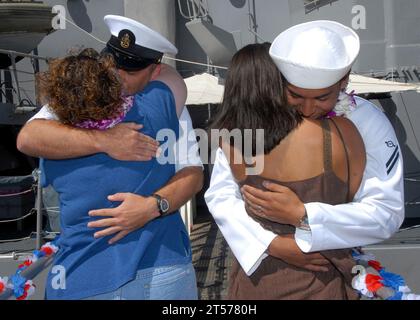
(162, 204)
(304, 222)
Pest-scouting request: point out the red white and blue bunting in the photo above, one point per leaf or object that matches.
(374, 282)
(23, 288)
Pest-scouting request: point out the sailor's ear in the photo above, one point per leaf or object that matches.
(156, 70)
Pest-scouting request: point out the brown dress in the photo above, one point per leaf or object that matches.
(274, 279)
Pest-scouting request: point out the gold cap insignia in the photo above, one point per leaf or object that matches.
(125, 41)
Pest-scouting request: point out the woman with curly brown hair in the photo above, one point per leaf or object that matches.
(84, 90)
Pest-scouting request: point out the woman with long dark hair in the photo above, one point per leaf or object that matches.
(320, 160)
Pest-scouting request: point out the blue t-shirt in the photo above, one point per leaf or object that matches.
(92, 266)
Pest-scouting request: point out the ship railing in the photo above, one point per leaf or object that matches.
(29, 273)
(38, 205)
(38, 266)
(195, 9)
(24, 105)
(312, 5)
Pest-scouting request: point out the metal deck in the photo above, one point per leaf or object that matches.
(212, 258)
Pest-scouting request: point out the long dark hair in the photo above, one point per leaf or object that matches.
(254, 98)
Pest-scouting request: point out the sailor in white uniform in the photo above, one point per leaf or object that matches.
(312, 57)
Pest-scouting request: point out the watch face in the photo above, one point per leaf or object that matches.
(164, 205)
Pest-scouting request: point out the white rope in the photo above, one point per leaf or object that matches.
(165, 57)
(196, 63)
(15, 240)
(15, 194)
(57, 209)
(52, 232)
(21, 218)
(103, 42)
(89, 34)
(409, 228)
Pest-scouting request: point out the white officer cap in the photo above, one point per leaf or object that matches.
(315, 55)
(134, 45)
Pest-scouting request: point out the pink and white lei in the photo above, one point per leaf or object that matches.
(345, 106)
(128, 102)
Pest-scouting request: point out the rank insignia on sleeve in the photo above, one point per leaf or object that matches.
(393, 160)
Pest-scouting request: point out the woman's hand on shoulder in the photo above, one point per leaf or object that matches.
(124, 142)
(278, 203)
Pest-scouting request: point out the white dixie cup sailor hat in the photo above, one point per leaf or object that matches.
(135, 45)
(315, 55)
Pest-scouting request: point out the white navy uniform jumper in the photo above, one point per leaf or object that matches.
(317, 55)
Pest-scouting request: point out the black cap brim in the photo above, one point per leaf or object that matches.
(128, 62)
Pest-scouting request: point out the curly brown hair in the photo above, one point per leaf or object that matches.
(82, 87)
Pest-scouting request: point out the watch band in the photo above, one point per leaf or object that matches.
(304, 222)
(160, 203)
(159, 199)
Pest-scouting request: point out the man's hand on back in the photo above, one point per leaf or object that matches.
(53, 140)
(133, 213)
(123, 142)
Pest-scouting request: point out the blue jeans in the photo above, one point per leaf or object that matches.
(176, 282)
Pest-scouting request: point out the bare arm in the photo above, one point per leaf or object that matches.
(174, 81)
(182, 187)
(53, 140)
(136, 211)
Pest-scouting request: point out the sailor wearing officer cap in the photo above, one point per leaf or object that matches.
(316, 54)
(134, 45)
